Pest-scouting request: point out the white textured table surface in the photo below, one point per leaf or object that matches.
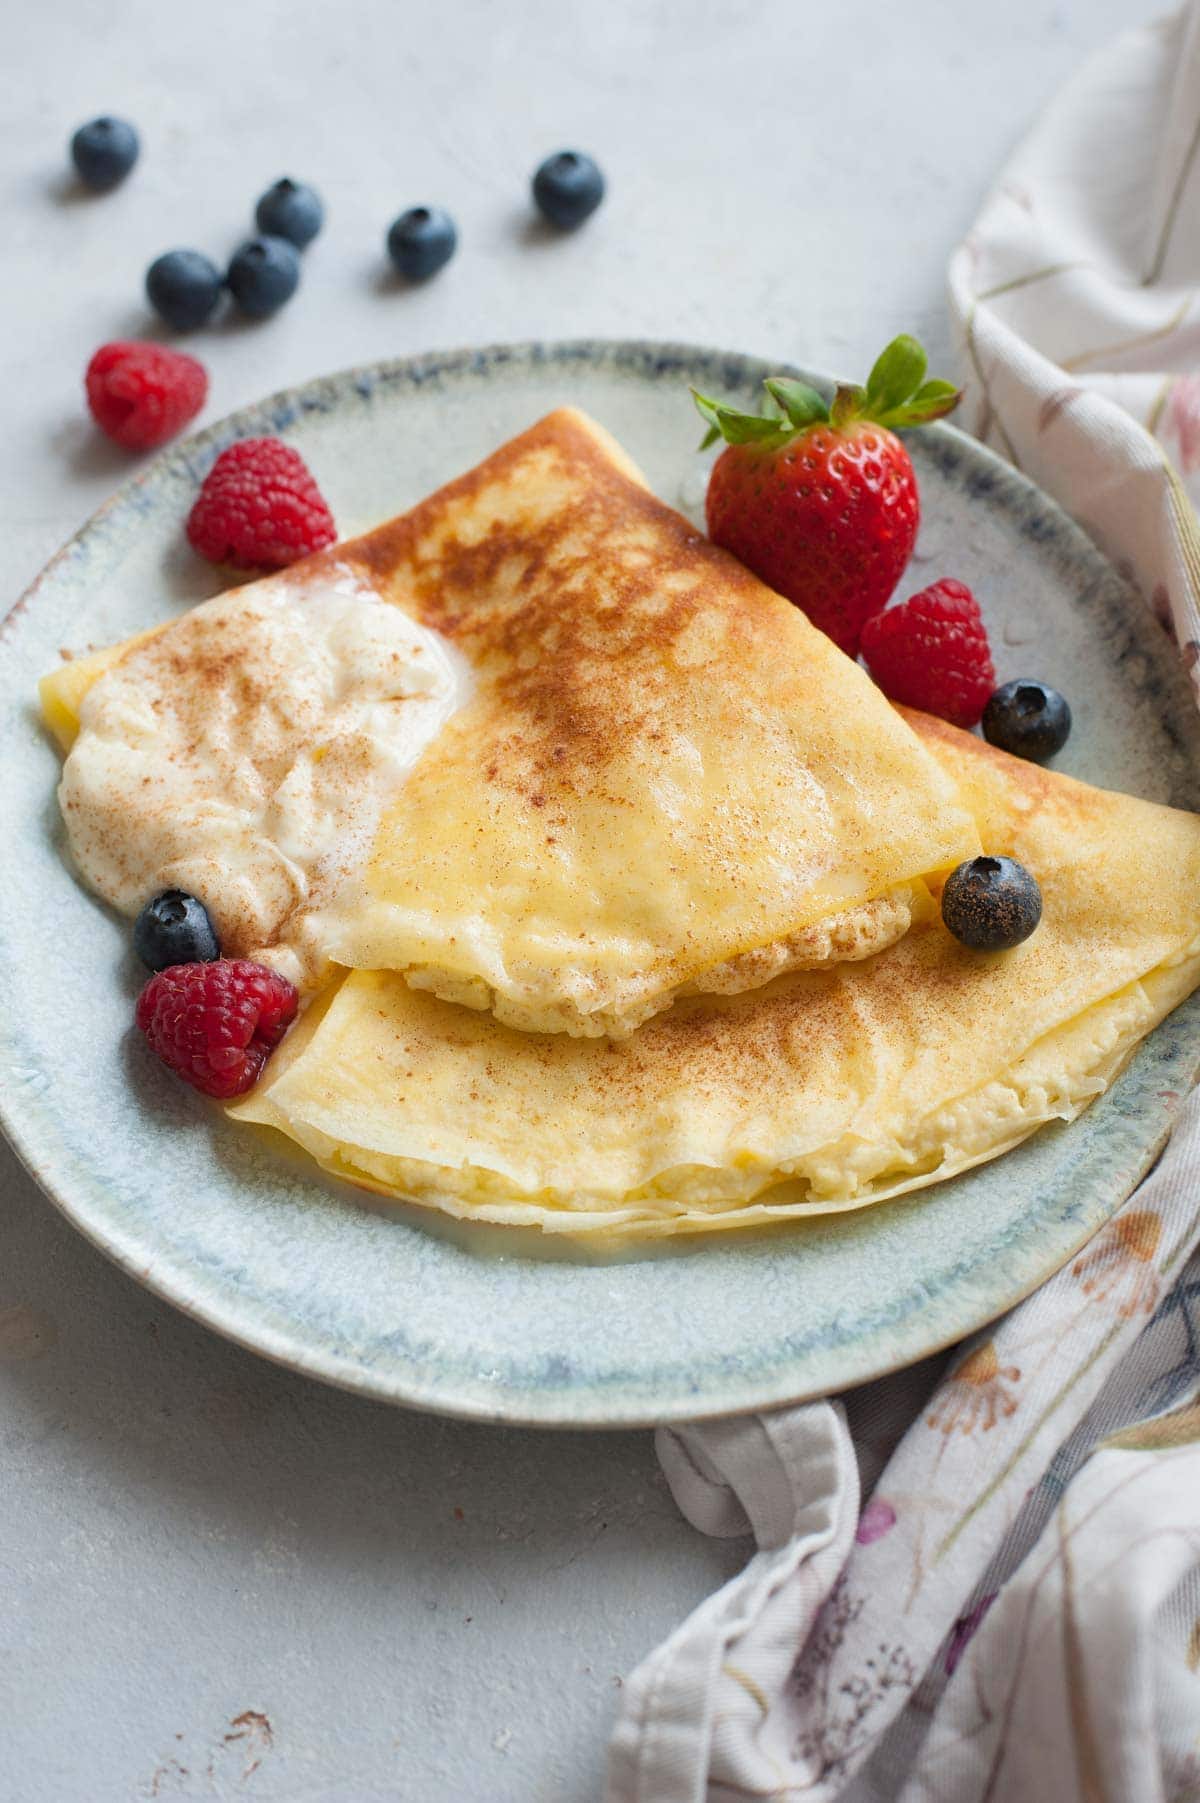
(216, 1579)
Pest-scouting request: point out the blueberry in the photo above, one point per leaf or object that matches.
(290, 210)
(991, 904)
(421, 242)
(264, 274)
(1028, 718)
(174, 928)
(104, 151)
(183, 287)
(567, 188)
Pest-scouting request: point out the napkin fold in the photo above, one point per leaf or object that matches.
(979, 1580)
(1074, 300)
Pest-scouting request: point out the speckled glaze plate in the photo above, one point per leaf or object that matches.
(237, 1230)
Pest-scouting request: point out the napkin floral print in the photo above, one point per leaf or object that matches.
(1082, 1559)
(1029, 1552)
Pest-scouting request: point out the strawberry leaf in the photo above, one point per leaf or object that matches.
(802, 404)
(931, 401)
(896, 395)
(848, 403)
(732, 425)
(898, 373)
(935, 391)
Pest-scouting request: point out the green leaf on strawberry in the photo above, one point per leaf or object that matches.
(896, 395)
(848, 405)
(898, 373)
(733, 426)
(931, 400)
(798, 402)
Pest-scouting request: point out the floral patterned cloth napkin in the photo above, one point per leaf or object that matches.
(979, 1581)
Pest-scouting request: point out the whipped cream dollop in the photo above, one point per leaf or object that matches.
(246, 752)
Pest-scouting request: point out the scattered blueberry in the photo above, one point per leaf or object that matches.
(103, 152)
(264, 274)
(174, 928)
(421, 242)
(567, 188)
(1028, 718)
(290, 210)
(183, 287)
(991, 904)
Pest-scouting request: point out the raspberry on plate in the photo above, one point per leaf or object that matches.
(259, 508)
(215, 1025)
(932, 652)
(142, 394)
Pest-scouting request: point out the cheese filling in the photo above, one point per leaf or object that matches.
(246, 753)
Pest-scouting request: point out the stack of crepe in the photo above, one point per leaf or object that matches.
(649, 942)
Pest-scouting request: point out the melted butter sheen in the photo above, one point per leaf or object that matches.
(246, 753)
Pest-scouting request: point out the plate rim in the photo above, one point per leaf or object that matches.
(20, 1123)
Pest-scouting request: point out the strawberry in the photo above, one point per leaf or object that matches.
(820, 500)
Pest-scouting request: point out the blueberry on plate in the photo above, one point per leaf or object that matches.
(422, 241)
(104, 151)
(991, 904)
(567, 188)
(1028, 718)
(290, 210)
(183, 287)
(174, 928)
(263, 274)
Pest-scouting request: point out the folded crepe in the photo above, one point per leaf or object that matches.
(664, 779)
(825, 1090)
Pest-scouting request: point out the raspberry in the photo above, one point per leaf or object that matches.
(142, 394)
(216, 1024)
(259, 508)
(931, 652)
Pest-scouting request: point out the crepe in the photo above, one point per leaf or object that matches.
(665, 778)
(824, 1091)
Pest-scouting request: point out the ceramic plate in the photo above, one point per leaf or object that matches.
(238, 1231)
